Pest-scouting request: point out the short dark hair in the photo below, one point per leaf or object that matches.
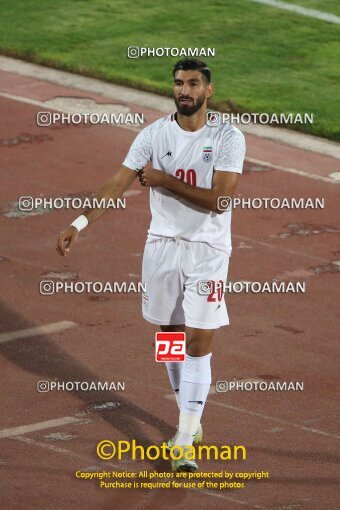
(192, 64)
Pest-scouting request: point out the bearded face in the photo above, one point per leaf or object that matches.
(187, 105)
(191, 89)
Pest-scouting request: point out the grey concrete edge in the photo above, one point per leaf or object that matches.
(160, 103)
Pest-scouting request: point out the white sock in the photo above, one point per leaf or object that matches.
(194, 389)
(174, 369)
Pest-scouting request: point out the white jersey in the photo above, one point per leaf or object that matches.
(191, 156)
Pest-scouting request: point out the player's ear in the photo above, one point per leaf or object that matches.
(209, 90)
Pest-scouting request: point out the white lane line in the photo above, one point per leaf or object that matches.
(304, 11)
(302, 141)
(302, 173)
(335, 176)
(65, 451)
(46, 107)
(47, 446)
(287, 250)
(266, 417)
(276, 420)
(47, 329)
(25, 429)
(22, 99)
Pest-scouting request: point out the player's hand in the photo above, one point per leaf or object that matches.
(151, 177)
(66, 239)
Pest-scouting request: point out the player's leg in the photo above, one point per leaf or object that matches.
(163, 296)
(194, 390)
(174, 368)
(204, 310)
(195, 383)
(199, 344)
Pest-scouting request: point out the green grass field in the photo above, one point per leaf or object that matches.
(267, 60)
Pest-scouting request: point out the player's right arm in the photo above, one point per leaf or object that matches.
(111, 189)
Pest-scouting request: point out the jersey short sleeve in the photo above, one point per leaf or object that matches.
(231, 151)
(140, 152)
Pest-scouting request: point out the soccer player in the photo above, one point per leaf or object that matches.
(194, 164)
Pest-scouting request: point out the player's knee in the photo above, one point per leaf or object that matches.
(199, 342)
(198, 347)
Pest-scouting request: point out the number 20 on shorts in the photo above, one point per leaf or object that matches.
(216, 293)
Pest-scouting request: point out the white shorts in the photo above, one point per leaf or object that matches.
(172, 270)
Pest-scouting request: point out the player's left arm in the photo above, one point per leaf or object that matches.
(223, 185)
(228, 167)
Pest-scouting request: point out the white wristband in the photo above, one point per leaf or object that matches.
(80, 223)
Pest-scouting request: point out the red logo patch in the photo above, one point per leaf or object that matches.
(170, 346)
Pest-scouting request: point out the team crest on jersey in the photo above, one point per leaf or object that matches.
(207, 154)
